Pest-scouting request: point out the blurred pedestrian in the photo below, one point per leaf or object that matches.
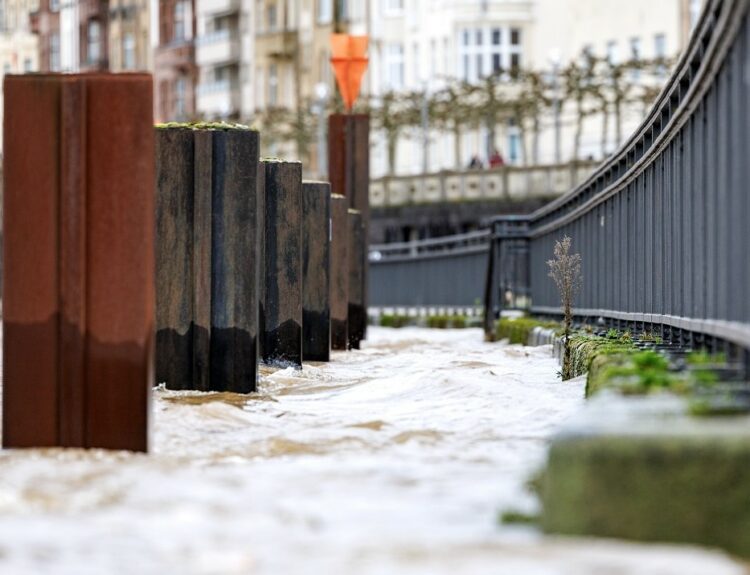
(496, 160)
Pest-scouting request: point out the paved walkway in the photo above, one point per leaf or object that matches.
(394, 459)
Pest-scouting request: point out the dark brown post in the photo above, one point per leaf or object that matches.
(78, 292)
(337, 167)
(316, 290)
(360, 200)
(349, 171)
(357, 316)
(207, 258)
(282, 246)
(339, 271)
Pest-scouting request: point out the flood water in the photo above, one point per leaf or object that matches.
(394, 459)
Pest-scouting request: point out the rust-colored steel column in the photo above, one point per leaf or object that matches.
(207, 258)
(337, 156)
(316, 289)
(357, 315)
(282, 277)
(339, 271)
(78, 289)
(360, 200)
(349, 172)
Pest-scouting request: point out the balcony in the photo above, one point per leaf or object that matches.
(217, 48)
(218, 7)
(218, 99)
(276, 44)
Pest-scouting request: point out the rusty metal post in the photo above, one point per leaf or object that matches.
(282, 248)
(349, 173)
(357, 314)
(78, 292)
(316, 290)
(337, 156)
(207, 258)
(360, 200)
(339, 271)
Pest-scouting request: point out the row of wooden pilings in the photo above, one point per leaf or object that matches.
(113, 284)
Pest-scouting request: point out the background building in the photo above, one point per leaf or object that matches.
(175, 72)
(19, 48)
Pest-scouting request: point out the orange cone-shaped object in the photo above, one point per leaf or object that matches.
(349, 62)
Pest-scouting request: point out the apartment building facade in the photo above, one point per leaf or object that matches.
(175, 70)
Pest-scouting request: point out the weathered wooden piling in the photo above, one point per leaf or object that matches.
(281, 304)
(357, 312)
(78, 292)
(316, 290)
(207, 258)
(339, 271)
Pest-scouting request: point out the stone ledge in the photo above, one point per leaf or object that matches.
(639, 468)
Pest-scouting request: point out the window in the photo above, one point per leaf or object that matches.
(416, 64)
(54, 52)
(180, 20)
(470, 52)
(273, 86)
(489, 50)
(180, 107)
(54, 5)
(497, 50)
(271, 17)
(660, 52)
(695, 12)
(660, 46)
(325, 11)
(394, 66)
(6, 68)
(635, 56)
(515, 48)
(27, 65)
(343, 10)
(613, 56)
(128, 52)
(93, 40)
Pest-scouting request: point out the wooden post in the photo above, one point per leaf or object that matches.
(282, 247)
(357, 316)
(316, 290)
(339, 271)
(78, 292)
(207, 258)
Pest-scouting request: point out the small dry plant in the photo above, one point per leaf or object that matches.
(565, 270)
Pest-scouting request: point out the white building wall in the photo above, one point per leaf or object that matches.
(431, 34)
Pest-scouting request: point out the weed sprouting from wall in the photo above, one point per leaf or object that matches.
(565, 270)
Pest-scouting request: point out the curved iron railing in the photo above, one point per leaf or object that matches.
(663, 227)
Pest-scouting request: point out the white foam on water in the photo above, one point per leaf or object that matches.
(393, 459)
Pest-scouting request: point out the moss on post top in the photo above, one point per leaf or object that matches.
(272, 160)
(224, 126)
(338, 196)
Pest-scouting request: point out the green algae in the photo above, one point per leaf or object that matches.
(204, 125)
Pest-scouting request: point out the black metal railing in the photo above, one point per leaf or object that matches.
(662, 227)
(435, 272)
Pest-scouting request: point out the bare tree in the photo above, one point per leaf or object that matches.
(565, 270)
